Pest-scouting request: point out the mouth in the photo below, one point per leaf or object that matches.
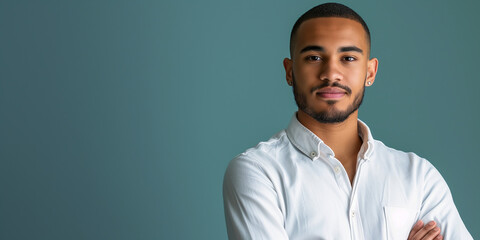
(330, 93)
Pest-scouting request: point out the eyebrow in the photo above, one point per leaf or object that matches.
(350, 49)
(312, 48)
(321, 49)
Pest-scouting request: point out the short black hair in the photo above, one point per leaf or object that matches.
(328, 10)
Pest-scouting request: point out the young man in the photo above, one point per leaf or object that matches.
(325, 177)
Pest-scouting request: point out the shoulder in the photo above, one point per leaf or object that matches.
(260, 159)
(386, 152)
(256, 165)
(398, 160)
(265, 151)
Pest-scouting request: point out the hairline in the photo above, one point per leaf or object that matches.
(293, 35)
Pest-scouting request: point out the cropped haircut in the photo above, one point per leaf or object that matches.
(327, 10)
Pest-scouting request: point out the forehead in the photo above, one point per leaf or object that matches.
(331, 32)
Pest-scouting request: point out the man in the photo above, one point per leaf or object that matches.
(325, 177)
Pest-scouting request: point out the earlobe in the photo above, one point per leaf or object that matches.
(287, 64)
(371, 71)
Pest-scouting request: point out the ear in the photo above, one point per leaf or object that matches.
(288, 65)
(372, 67)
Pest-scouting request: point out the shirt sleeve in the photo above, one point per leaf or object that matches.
(251, 204)
(438, 205)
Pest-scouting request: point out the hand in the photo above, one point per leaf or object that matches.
(428, 231)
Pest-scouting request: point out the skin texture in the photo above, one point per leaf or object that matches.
(427, 231)
(331, 54)
(330, 61)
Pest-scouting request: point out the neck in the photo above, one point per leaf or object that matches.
(342, 137)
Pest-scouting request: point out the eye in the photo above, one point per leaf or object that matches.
(349, 59)
(313, 58)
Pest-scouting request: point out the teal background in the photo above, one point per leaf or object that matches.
(118, 118)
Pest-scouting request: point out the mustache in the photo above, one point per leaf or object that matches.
(334, 84)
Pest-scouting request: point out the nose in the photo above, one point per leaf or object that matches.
(330, 71)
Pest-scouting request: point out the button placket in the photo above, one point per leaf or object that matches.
(339, 174)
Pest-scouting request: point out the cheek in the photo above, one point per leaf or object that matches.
(304, 77)
(357, 68)
(303, 69)
(357, 76)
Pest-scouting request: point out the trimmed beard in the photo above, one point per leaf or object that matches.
(330, 115)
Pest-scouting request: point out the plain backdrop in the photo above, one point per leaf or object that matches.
(118, 118)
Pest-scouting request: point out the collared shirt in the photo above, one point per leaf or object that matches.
(293, 187)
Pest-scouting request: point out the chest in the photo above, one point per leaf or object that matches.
(320, 202)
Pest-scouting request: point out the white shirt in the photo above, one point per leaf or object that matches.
(293, 187)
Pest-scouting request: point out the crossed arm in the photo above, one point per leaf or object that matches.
(242, 211)
(421, 231)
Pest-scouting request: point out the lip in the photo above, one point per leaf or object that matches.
(330, 93)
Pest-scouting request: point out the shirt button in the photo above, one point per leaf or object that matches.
(353, 214)
(313, 154)
(336, 169)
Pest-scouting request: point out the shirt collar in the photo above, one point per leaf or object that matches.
(313, 147)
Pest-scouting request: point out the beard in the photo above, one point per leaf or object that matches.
(330, 115)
